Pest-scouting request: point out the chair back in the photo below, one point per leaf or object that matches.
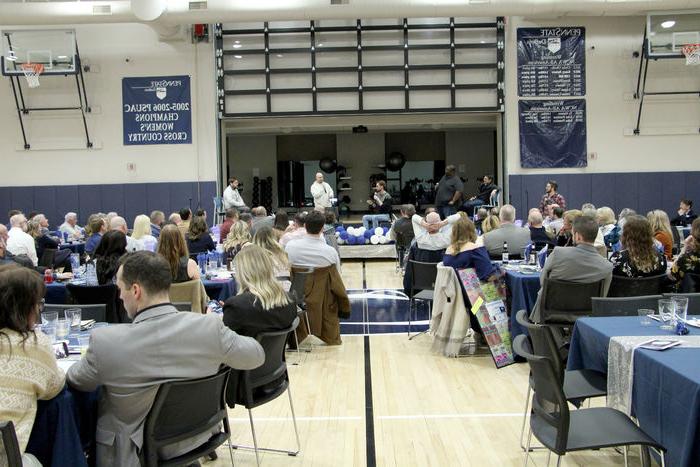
(298, 280)
(191, 291)
(564, 301)
(268, 381)
(184, 409)
(423, 275)
(636, 286)
(182, 306)
(98, 312)
(550, 411)
(623, 306)
(542, 342)
(218, 204)
(691, 283)
(693, 301)
(47, 257)
(107, 295)
(11, 452)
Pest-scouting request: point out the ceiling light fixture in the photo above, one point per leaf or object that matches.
(668, 24)
(238, 56)
(237, 46)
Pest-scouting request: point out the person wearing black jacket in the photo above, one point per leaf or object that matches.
(686, 216)
(483, 197)
(379, 205)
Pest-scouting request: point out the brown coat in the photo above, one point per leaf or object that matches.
(326, 302)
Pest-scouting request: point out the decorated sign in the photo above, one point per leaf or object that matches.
(551, 61)
(157, 110)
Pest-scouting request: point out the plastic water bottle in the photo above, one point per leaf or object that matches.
(219, 259)
(91, 274)
(504, 254)
(202, 262)
(533, 255)
(75, 263)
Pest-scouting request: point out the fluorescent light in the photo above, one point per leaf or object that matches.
(320, 45)
(668, 24)
(236, 42)
(237, 46)
(238, 56)
(62, 56)
(280, 55)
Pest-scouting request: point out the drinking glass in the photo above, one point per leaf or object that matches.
(74, 315)
(50, 330)
(62, 328)
(49, 317)
(681, 308)
(644, 318)
(667, 310)
(83, 343)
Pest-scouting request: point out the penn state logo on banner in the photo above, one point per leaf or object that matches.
(157, 110)
(554, 44)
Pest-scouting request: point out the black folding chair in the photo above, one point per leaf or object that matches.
(636, 286)
(297, 291)
(98, 312)
(562, 431)
(563, 302)
(47, 258)
(691, 283)
(403, 243)
(623, 306)
(107, 294)
(423, 277)
(253, 388)
(183, 410)
(10, 445)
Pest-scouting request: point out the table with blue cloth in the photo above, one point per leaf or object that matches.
(523, 289)
(217, 289)
(666, 384)
(77, 247)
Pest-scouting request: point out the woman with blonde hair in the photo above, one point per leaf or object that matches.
(142, 233)
(661, 226)
(490, 223)
(464, 252)
(173, 248)
(266, 239)
(565, 237)
(261, 304)
(238, 237)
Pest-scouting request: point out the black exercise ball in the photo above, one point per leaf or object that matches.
(346, 199)
(395, 162)
(328, 165)
(342, 171)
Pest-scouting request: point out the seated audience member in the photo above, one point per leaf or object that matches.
(238, 237)
(608, 226)
(538, 234)
(29, 371)
(232, 196)
(516, 237)
(689, 259)
(142, 234)
(260, 219)
(685, 216)
(118, 223)
(638, 257)
(661, 227)
(587, 207)
(432, 234)
(490, 223)
(43, 222)
(329, 229)
(311, 250)
(198, 238)
(130, 361)
(565, 236)
(10, 214)
(71, 227)
(486, 190)
(379, 207)
(262, 304)
(173, 248)
(402, 228)
(107, 255)
(157, 219)
(97, 227)
(581, 263)
(19, 241)
(229, 220)
(281, 223)
(185, 217)
(623, 216)
(42, 241)
(297, 230)
(109, 216)
(266, 239)
(464, 252)
(201, 213)
(175, 220)
(555, 219)
(247, 218)
(8, 258)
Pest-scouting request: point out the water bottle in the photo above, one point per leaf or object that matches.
(504, 254)
(219, 259)
(75, 263)
(91, 274)
(533, 256)
(201, 261)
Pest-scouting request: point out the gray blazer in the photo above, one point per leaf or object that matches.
(581, 263)
(517, 237)
(130, 361)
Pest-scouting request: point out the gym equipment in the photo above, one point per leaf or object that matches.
(395, 162)
(328, 165)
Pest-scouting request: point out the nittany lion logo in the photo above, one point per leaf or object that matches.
(161, 93)
(554, 44)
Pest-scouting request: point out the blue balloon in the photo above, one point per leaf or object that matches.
(340, 229)
(386, 230)
(368, 233)
(344, 235)
(360, 239)
(351, 240)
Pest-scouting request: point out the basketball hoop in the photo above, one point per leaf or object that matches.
(692, 54)
(31, 72)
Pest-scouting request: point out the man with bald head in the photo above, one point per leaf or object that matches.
(516, 237)
(322, 193)
(119, 223)
(19, 241)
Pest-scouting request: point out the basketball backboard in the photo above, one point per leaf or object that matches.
(668, 32)
(53, 48)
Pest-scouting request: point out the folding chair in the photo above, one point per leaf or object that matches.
(422, 278)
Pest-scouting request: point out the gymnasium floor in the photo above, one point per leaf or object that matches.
(383, 400)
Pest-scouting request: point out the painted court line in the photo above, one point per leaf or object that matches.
(351, 418)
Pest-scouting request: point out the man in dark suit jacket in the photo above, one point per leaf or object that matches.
(130, 361)
(581, 263)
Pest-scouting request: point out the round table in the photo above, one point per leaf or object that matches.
(77, 247)
(523, 289)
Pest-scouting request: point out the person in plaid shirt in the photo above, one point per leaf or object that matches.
(551, 197)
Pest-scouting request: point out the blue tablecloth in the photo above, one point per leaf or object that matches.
(74, 247)
(666, 386)
(523, 294)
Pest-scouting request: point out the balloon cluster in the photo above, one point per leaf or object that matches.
(362, 236)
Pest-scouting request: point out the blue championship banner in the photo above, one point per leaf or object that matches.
(157, 110)
(552, 133)
(551, 61)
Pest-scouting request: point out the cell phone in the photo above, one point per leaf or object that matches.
(214, 306)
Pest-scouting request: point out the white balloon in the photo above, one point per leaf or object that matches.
(337, 234)
(341, 241)
(378, 231)
(351, 230)
(361, 231)
(374, 240)
(383, 239)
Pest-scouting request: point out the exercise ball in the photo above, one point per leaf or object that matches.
(395, 162)
(327, 165)
(374, 240)
(378, 231)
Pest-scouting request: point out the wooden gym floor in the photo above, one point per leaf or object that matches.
(386, 401)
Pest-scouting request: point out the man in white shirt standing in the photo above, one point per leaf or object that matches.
(232, 198)
(19, 241)
(71, 227)
(322, 193)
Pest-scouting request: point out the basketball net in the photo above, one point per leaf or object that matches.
(692, 54)
(31, 72)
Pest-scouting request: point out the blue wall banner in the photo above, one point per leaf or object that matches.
(551, 61)
(157, 110)
(552, 133)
